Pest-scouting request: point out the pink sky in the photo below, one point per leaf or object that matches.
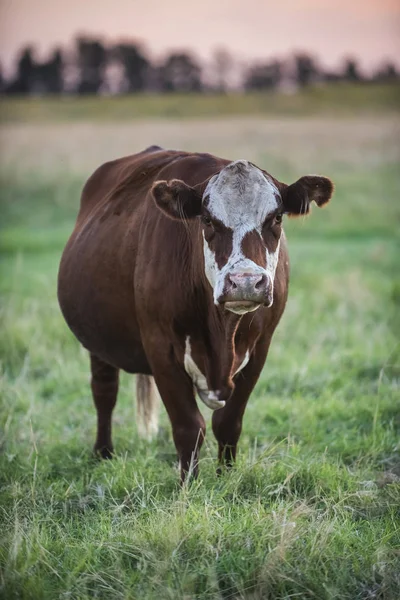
(368, 29)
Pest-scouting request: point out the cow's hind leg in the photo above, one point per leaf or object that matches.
(104, 385)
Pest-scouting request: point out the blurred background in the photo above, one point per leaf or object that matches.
(127, 46)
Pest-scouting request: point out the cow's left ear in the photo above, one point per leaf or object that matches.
(177, 199)
(310, 188)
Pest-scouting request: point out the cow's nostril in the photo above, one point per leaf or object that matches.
(233, 284)
(261, 283)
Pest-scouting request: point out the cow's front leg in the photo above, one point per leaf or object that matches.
(188, 426)
(227, 422)
(188, 436)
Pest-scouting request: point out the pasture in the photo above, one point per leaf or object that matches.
(312, 508)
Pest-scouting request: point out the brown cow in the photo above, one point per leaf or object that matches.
(177, 270)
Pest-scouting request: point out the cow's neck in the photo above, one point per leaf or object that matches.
(212, 343)
(222, 348)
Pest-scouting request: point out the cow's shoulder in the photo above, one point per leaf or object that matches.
(192, 167)
(113, 176)
(130, 177)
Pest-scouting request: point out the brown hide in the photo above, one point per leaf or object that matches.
(132, 288)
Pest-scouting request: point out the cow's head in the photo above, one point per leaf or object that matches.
(241, 211)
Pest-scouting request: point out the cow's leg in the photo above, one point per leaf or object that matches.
(104, 385)
(227, 422)
(188, 431)
(188, 426)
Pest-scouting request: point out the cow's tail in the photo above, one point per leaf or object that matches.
(147, 406)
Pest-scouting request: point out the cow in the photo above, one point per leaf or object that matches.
(177, 271)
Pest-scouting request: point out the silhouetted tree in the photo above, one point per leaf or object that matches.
(92, 58)
(263, 76)
(135, 65)
(92, 68)
(351, 72)
(386, 74)
(180, 73)
(48, 76)
(306, 70)
(24, 79)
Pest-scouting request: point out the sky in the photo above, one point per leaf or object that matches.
(250, 29)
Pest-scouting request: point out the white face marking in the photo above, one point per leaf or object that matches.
(210, 263)
(241, 197)
(209, 397)
(272, 262)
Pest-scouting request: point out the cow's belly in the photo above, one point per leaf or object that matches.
(96, 297)
(209, 397)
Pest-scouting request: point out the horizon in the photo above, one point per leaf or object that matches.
(367, 31)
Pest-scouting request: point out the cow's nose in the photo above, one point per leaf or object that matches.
(248, 283)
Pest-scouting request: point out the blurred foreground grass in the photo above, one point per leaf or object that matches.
(312, 508)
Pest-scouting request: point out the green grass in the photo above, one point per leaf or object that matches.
(312, 508)
(342, 99)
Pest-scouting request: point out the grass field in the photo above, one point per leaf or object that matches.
(312, 508)
(339, 99)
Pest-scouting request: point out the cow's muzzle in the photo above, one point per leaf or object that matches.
(245, 291)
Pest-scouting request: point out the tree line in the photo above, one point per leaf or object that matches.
(125, 68)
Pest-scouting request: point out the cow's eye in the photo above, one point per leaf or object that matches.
(206, 220)
(278, 218)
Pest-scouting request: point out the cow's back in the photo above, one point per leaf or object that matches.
(114, 179)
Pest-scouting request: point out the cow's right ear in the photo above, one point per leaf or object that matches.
(177, 199)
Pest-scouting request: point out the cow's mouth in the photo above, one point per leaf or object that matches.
(240, 307)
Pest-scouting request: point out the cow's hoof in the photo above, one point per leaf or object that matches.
(104, 452)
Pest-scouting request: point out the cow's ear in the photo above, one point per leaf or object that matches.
(310, 188)
(177, 199)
